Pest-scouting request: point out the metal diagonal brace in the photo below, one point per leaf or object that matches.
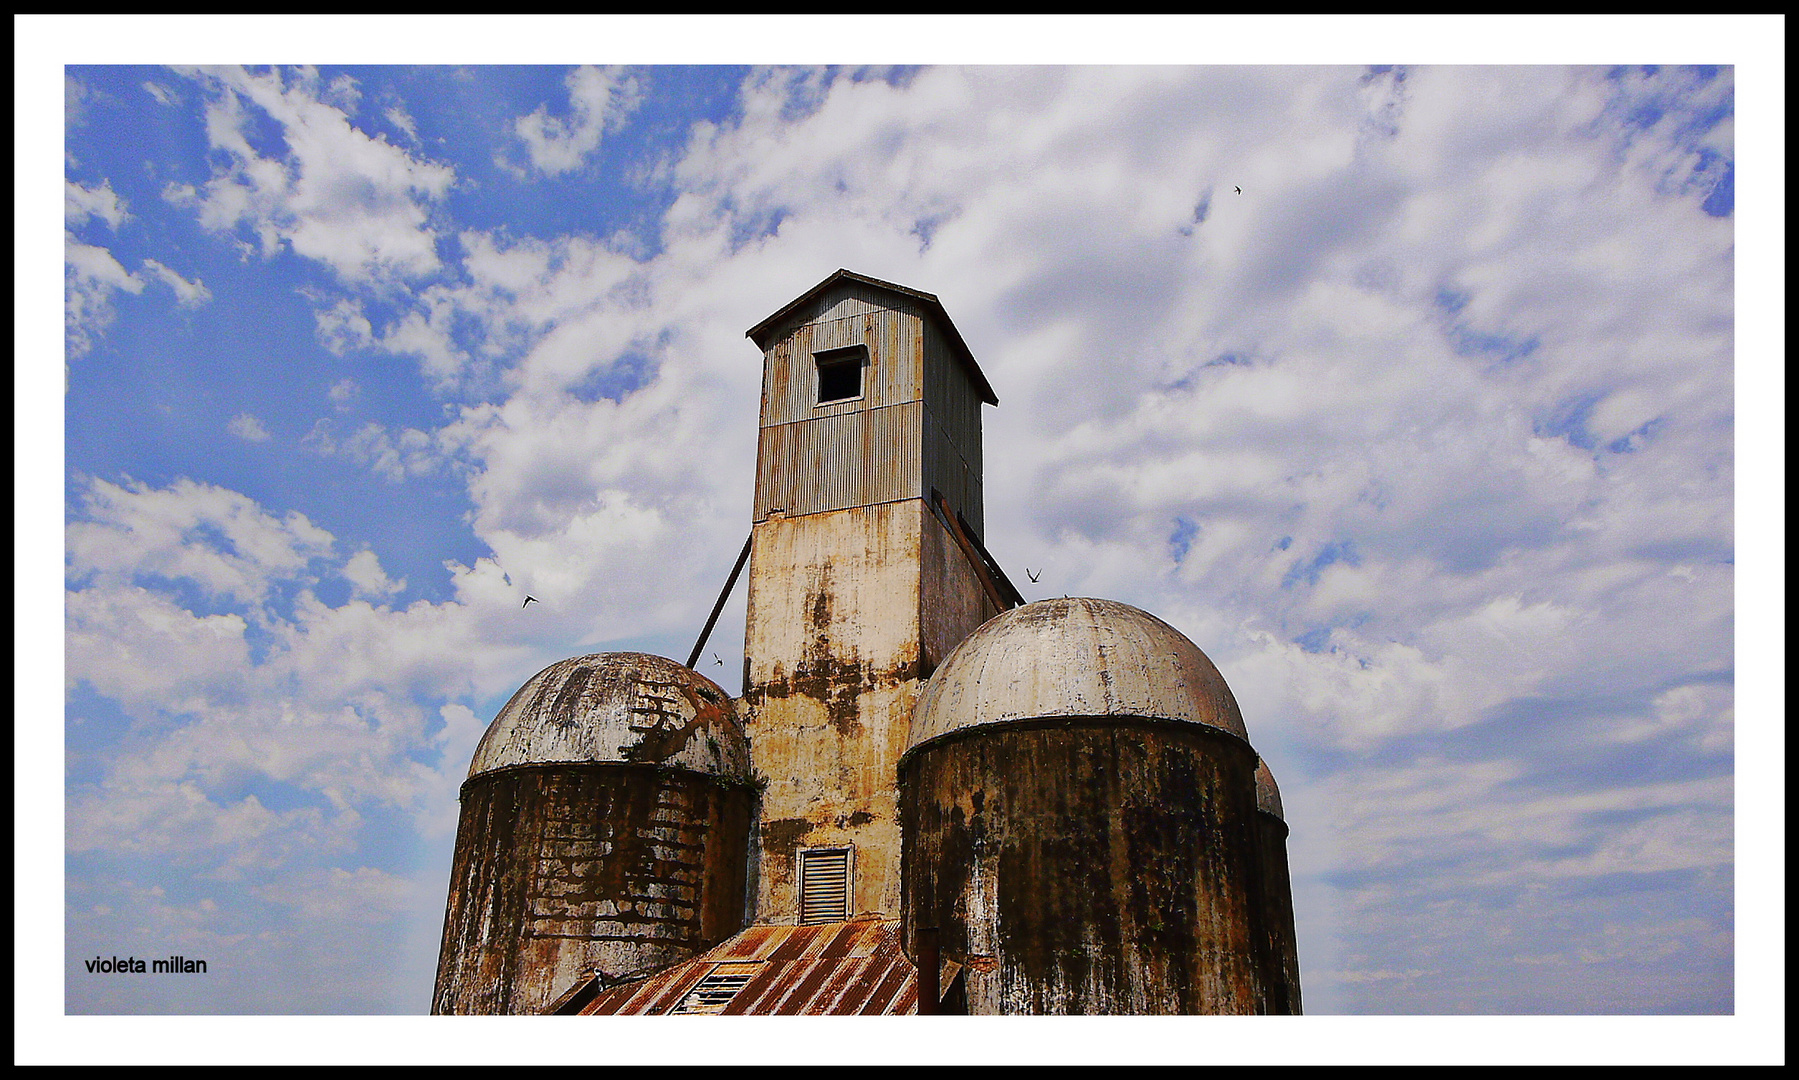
(742, 557)
(984, 567)
(1006, 589)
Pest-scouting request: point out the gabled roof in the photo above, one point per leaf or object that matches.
(830, 969)
(763, 332)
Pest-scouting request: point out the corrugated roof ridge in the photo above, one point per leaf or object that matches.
(835, 997)
(842, 943)
(893, 978)
(684, 977)
(795, 942)
(748, 1000)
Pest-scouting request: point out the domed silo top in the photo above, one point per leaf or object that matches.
(1076, 658)
(1268, 797)
(621, 707)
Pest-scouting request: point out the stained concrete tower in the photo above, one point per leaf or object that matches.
(866, 569)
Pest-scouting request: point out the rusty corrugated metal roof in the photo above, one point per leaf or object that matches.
(831, 969)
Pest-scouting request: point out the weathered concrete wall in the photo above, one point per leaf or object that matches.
(834, 646)
(565, 869)
(1089, 866)
(951, 602)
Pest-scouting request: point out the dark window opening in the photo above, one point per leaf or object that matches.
(840, 373)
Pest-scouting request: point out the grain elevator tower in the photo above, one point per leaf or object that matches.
(866, 569)
(932, 797)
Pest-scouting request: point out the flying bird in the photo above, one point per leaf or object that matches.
(528, 599)
(1027, 573)
(717, 661)
(1239, 191)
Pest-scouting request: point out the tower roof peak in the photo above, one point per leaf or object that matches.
(766, 331)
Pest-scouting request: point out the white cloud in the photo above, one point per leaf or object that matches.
(364, 571)
(163, 95)
(120, 639)
(187, 293)
(599, 99)
(392, 456)
(1426, 430)
(400, 118)
(344, 391)
(427, 335)
(1389, 383)
(91, 277)
(247, 428)
(335, 894)
(343, 326)
(330, 192)
(83, 203)
(156, 815)
(342, 94)
(264, 741)
(215, 538)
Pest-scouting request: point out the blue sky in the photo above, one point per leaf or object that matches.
(1429, 438)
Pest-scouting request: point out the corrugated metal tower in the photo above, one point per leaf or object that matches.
(865, 571)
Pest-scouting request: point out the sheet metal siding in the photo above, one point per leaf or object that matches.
(952, 397)
(846, 299)
(836, 462)
(861, 459)
(895, 351)
(948, 470)
(812, 458)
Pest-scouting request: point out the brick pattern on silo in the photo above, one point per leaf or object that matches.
(568, 869)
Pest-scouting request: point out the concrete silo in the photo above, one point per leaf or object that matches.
(1280, 942)
(604, 832)
(1078, 806)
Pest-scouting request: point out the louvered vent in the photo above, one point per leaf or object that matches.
(824, 885)
(712, 993)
